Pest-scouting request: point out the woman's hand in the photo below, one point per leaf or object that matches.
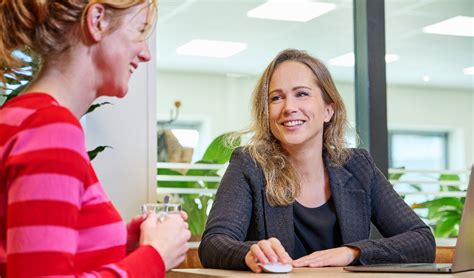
(169, 238)
(133, 232)
(266, 251)
(341, 256)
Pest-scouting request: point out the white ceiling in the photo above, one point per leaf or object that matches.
(441, 57)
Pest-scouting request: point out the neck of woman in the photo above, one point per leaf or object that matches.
(68, 83)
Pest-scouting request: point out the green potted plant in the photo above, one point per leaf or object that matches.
(444, 212)
(198, 205)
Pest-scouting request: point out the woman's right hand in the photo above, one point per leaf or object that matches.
(266, 251)
(169, 237)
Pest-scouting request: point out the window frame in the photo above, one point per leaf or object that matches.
(431, 133)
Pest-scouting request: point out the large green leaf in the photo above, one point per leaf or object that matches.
(441, 202)
(95, 106)
(15, 92)
(196, 207)
(12, 81)
(218, 151)
(448, 177)
(447, 226)
(173, 184)
(396, 176)
(93, 153)
(207, 173)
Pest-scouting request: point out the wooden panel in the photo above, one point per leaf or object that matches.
(192, 260)
(444, 254)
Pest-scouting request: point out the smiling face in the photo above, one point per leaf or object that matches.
(121, 51)
(297, 111)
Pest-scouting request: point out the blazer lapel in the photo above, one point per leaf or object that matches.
(279, 224)
(351, 204)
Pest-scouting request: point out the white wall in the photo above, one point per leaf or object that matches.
(224, 103)
(221, 103)
(434, 108)
(127, 171)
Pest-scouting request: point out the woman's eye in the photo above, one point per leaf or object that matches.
(275, 98)
(302, 94)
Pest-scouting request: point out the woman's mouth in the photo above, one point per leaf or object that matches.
(293, 123)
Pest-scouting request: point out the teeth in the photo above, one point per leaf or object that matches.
(131, 69)
(293, 123)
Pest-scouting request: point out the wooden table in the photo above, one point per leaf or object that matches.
(331, 272)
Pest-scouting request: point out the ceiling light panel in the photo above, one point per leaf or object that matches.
(291, 10)
(348, 60)
(210, 48)
(456, 26)
(468, 71)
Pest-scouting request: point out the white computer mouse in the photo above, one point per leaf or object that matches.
(276, 267)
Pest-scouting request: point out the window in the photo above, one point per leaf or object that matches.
(418, 150)
(421, 151)
(178, 142)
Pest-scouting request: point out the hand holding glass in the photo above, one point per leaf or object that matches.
(161, 210)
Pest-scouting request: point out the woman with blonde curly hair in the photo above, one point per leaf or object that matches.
(296, 194)
(55, 218)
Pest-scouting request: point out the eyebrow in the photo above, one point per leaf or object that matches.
(293, 89)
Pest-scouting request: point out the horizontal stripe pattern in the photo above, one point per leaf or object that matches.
(100, 257)
(117, 270)
(40, 264)
(95, 194)
(35, 213)
(48, 186)
(100, 237)
(55, 218)
(90, 275)
(59, 161)
(51, 136)
(97, 215)
(14, 116)
(41, 239)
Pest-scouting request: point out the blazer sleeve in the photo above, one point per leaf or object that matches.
(406, 238)
(223, 242)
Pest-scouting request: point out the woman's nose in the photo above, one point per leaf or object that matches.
(145, 54)
(290, 106)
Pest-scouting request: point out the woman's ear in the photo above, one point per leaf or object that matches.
(96, 23)
(329, 112)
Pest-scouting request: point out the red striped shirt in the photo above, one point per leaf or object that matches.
(55, 218)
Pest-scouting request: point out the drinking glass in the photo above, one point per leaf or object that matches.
(162, 210)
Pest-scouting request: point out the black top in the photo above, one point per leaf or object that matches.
(315, 228)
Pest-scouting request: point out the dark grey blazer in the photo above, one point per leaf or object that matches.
(241, 215)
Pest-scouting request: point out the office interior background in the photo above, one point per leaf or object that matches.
(429, 61)
(211, 53)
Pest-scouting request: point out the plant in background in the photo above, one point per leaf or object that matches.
(444, 213)
(20, 78)
(197, 206)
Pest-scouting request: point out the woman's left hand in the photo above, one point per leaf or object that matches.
(340, 256)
